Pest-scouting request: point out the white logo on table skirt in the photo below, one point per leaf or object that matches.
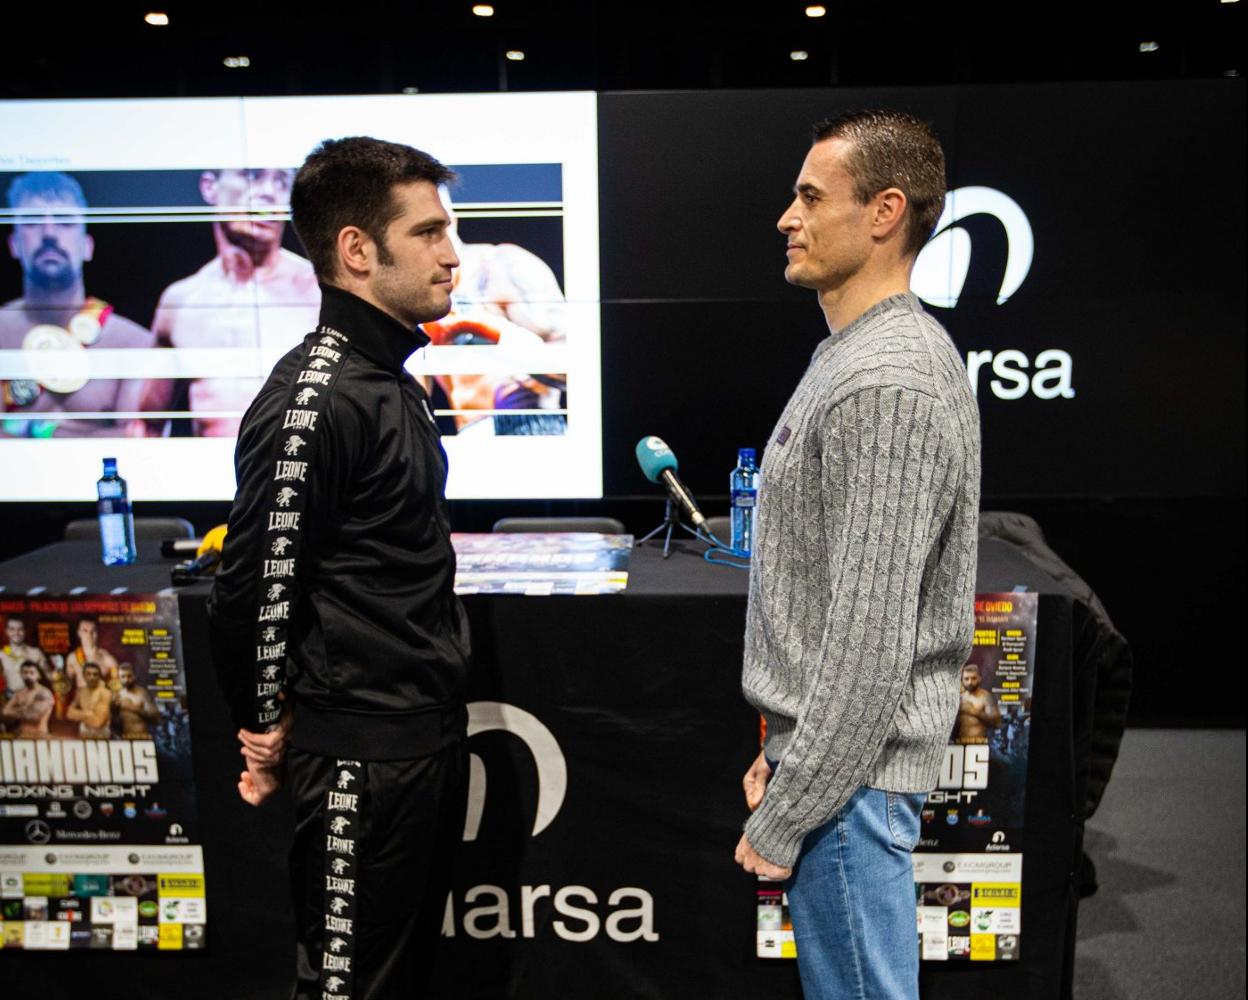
(552, 769)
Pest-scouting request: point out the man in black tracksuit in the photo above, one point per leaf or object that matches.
(335, 626)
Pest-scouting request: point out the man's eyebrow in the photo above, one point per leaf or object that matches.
(429, 223)
(805, 188)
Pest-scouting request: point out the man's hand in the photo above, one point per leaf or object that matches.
(755, 781)
(257, 784)
(264, 754)
(267, 750)
(755, 863)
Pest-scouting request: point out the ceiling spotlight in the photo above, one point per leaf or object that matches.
(799, 55)
(236, 62)
(483, 9)
(411, 90)
(156, 19)
(515, 55)
(1149, 46)
(816, 10)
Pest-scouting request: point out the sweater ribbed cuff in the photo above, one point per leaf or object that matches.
(771, 835)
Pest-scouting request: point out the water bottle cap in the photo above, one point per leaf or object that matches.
(110, 465)
(745, 456)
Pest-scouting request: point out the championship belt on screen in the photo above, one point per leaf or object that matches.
(55, 356)
(461, 331)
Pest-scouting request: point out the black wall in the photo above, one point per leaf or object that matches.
(1135, 194)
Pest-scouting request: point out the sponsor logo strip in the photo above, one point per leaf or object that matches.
(342, 831)
(295, 447)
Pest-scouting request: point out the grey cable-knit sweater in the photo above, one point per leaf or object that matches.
(861, 608)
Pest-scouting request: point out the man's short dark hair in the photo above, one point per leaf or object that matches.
(350, 182)
(893, 149)
(49, 185)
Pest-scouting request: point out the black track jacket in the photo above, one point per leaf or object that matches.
(338, 564)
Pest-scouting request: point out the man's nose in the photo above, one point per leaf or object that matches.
(787, 220)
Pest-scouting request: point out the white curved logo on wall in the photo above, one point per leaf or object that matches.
(941, 269)
(552, 769)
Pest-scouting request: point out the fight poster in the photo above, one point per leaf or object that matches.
(541, 564)
(968, 866)
(98, 832)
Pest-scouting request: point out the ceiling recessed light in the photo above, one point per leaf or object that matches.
(1149, 46)
(237, 62)
(411, 90)
(483, 9)
(515, 55)
(156, 18)
(799, 55)
(816, 10)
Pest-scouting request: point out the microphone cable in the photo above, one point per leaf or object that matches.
(718, 550)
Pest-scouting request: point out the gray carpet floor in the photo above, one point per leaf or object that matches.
(1168, 844)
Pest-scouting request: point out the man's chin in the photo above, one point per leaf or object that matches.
(55, 280)
(793, 275)
(257, 240)
(435, 311)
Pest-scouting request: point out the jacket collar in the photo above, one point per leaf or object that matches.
(376, 334)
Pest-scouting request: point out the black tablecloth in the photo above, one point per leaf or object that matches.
(641, 692)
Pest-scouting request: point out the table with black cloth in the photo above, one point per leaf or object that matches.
(641, 694)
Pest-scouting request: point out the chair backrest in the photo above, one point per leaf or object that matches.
(87, 529)
(605, 525)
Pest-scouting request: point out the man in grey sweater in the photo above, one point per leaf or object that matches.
(862, 582)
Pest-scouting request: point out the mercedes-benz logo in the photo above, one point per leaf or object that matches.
(38, 832)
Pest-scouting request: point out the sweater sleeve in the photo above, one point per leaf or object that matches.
(884, 464)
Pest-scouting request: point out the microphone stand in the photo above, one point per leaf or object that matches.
(670, 520)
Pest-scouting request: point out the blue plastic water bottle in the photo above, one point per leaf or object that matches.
(743, 485)
(116, 521)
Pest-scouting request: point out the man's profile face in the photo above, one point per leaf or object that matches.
(828, 235)
(91, 674)
(415, 284)
(970, 678)
(87, 633)
(30, 675)
(16, 631)
(240, 190)
(53, 246)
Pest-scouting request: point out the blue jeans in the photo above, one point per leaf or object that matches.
(851, 897)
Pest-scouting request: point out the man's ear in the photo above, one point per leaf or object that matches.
(357, 253)
(889, 212)
(208, 187)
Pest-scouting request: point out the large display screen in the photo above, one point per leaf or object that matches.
(153, 280)
(1099, 314)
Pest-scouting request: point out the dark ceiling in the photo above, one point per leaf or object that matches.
(108, 50)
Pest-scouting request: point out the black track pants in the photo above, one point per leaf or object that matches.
(370, 868)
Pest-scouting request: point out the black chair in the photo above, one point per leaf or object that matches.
(151, 528)
(605, 525)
